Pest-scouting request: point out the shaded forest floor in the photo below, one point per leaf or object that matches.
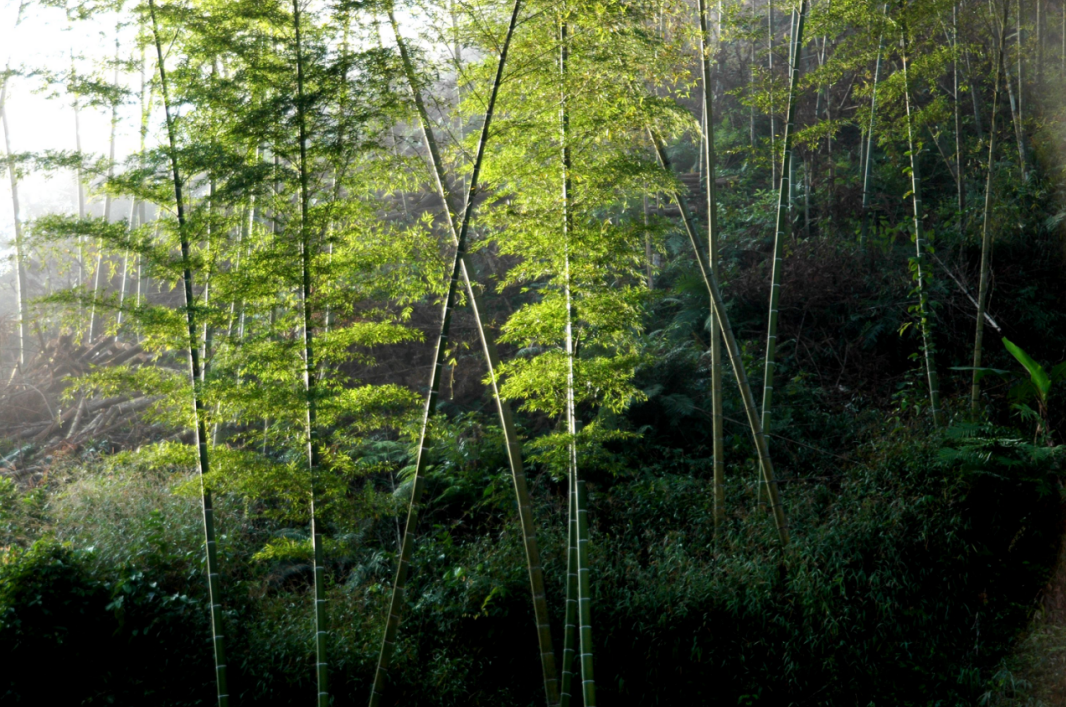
(1034, 673)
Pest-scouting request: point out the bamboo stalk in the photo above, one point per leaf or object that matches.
(919, 240)
(870, 140)
(584, 599)
(310, 377)
(503, 407)
(733, 349)
(407, 546)
(709, 157)
(570, 621)
(199, 428)
(986, 229)
(781, 226)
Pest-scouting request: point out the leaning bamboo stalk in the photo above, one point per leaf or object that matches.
(407, 546)
(192, 350)
(986, 227)
(919, 240)
(503, 408)
(782, 225)
(717, 431)
(866, 171)
(733, 349)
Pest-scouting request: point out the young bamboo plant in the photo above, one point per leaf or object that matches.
(193, 354)
(503, 407)
(407, 545)
(921, 271)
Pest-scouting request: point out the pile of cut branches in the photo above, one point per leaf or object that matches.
(40, 421)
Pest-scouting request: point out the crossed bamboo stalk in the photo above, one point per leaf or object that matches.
(514, 451)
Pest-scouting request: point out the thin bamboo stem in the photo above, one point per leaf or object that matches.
(310, 377)
(733, 349)
(503, 407)
(200, 431)
(709, 157)
(584, 599)
(407, 546)
(866, 171)
(986, 228)
(919, 240)
(781, 229)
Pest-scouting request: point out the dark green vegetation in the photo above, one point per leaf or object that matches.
(280, 353)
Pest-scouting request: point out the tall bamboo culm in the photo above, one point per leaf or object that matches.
(193, 352)
(407, 544)
(310, 377)
(782, 226)
(919, 238)
(733, 349)
(986, 229)
(503, 408)
(577, 487)
(712, 254)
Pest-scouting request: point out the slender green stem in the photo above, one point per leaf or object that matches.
(733, 349)
(503, 408)
(584, 599)
(866, 171)
(407, 545)
(986, 230)
(310, 376)
(782, 225)
(570, 622)
(919, 240)
(193, 350)
(712, 254)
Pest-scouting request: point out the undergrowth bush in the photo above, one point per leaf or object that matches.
(911, 569)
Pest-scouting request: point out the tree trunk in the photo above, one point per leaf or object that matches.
(584, 597)
(310, 378)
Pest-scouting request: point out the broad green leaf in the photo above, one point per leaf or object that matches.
(1036, 371)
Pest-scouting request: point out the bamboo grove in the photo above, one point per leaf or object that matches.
(317, 185)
